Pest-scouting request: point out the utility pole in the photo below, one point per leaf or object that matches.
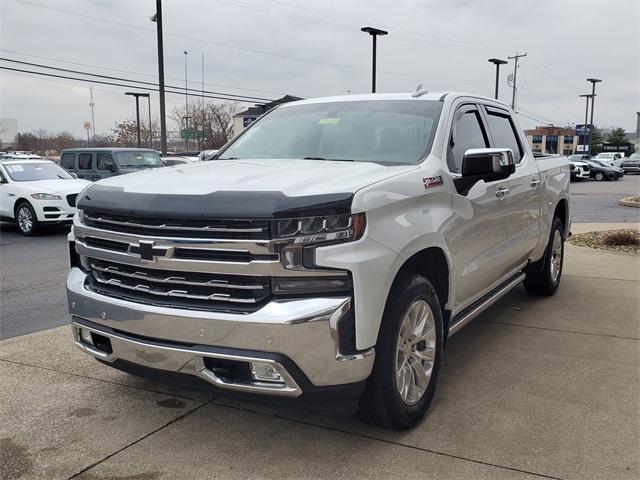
(150, 129)
(374, 32)
(93, 117)
(515, 74)
(593, 101)
(137, 96)
(163, 121)
(585, 136)
(497, 62)
(202, 144)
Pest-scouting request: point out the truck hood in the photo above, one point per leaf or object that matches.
(270, 188)
(289, 176)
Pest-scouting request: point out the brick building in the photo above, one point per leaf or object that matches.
(552, 140)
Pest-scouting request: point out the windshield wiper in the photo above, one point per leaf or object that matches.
(330, 159)
(227, 158)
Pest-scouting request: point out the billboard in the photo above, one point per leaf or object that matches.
(582, 129)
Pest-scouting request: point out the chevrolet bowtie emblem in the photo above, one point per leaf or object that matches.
(147, 250)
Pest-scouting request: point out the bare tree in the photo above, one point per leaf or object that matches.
(212, 125)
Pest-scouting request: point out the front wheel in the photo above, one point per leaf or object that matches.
(547, 281)
(408, 356)
(599, 176)
(26, 219)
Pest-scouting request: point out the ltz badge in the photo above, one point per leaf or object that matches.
(432, 181)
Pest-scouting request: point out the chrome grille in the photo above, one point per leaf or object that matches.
(178, 227)
(202, 290)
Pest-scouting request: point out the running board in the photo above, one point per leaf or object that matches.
(477, 308)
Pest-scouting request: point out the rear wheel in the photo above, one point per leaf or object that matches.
(408, 356)
(547, 281)
(26, 219)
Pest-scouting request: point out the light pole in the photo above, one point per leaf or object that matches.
(163, 121)
(150, 129)
(585, 135)
(137, 96)
(186, 102)
(593, 101)
(497, 62)
(374, 32)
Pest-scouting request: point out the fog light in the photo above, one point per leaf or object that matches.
(265, 372)
(85, 336)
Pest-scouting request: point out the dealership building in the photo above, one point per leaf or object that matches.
(563, 141)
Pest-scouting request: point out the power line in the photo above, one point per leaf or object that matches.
(44, 74)
(102, 67)
(108, 77)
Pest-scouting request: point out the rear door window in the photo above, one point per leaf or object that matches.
(105, 161)
(85, 161)
(68, 161)
(503, 132)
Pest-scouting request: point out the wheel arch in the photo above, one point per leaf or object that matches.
(17, 204)
(562, 212)
(433, 263)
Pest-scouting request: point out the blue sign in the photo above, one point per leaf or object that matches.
(582, 129)
(246, 121)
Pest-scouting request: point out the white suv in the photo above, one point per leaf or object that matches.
(34, 193)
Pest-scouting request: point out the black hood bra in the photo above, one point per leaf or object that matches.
(221, 204)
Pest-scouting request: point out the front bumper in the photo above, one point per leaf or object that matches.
(299, 338)
(53, 210)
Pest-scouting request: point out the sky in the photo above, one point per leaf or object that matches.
(313, 48)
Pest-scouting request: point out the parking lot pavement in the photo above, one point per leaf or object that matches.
(534, 388)
(593, 201)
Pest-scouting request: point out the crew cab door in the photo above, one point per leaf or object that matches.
(524, 187)
(481, 232)
(86, 165)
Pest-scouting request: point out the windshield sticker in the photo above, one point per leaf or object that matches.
(328, 121)
(14, 168)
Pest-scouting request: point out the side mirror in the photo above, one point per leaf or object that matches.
(73, 175)
(488, 164)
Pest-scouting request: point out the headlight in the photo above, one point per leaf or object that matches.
(80, 215)
(45, 196)
(330, 228)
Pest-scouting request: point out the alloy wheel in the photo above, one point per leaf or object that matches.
(556, 256)
(25, 219)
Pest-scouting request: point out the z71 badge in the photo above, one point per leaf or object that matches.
(432, 181)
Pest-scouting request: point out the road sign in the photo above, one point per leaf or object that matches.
(87, 125)
(191, 134)
(582, 129)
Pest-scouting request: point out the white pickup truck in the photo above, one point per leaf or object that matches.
(326, 254)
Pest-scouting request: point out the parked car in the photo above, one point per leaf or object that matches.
(601, 171)
(36, 193)
(98, 163)
(333, 249)
(631, 164)
(580, 169)
(609, 158)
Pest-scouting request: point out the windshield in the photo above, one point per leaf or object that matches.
(598, 164)
(138, 159)
(389, 132)
(635, 156)
(29, 172)
(605, 155)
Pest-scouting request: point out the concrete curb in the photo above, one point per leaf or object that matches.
(627, 202)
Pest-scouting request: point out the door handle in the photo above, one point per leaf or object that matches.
(502, 192)
(11, 194)
(535, 183)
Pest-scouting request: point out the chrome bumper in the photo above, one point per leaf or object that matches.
(305, 331)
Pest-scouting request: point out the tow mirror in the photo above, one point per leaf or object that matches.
(488, 164)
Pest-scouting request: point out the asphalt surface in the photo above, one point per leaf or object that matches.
(534, 388)
(33, 269)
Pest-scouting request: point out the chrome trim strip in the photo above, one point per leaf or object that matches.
(215, 283)
(271, 268)
(227, 245)
(191, 361)
(219, 297)
(458, 323)
(174, 227)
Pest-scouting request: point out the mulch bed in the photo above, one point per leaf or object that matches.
(596, 240)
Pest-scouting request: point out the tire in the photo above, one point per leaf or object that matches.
(387, 401)
(599, 176)
(26, 219)
(547, 281)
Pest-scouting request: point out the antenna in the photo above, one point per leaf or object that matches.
(419, 91)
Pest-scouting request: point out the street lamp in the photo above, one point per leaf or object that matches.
(137, 96)
(157, 18)
(587, 130)
(497, 62)
(374, 32)
(593, 100)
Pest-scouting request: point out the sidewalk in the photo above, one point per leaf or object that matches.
(534, 388)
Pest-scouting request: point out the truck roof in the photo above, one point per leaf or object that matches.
(108, 149)
(433, 96)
